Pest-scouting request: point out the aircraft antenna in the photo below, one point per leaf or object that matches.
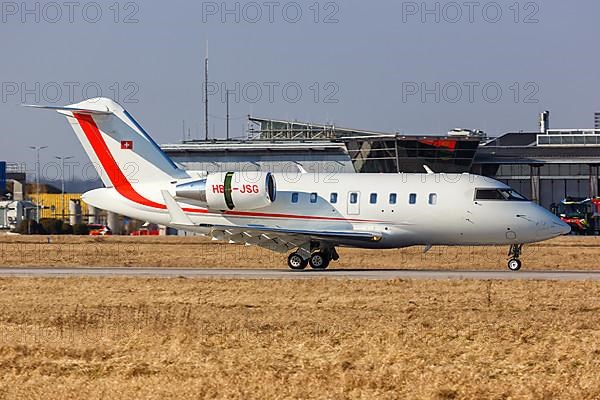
(206, 94)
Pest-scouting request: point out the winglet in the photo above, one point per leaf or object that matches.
(178, 217)
(301, 168)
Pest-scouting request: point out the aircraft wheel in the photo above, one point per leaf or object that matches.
(318, 260)
(295, 261)
(514, 264)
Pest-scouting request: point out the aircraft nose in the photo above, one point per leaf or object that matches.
(555, 225)
(541, 224)
(565, 228)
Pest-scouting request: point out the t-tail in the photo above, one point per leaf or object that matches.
(119, 148)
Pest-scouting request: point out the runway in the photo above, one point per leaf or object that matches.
(371, 274)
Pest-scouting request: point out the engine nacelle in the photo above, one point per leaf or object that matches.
(231, 190)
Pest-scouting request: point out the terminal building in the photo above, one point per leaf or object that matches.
(546, 166)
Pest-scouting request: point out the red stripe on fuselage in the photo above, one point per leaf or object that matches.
(125, 189)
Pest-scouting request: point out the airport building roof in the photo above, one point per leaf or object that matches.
(251, 145)
(254, 155)
(272, 144)
(557, 146)
(513, 139)
(268, 128)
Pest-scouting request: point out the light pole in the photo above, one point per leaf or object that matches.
(62, 187)
(37, 179)
(227, 96)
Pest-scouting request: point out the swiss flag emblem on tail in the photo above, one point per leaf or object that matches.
(126, 144)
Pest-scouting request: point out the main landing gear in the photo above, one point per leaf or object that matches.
(514, 264)
(318, 259)
(295, 261)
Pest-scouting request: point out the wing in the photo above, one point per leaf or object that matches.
(283, 240)
(276, 239)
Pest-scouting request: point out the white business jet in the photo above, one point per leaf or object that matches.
(305, 215)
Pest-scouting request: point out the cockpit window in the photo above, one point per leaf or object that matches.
(499, 194)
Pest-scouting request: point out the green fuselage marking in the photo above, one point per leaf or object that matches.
(227, 184)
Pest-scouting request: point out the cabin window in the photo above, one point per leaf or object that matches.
(373, 198)
(313, 197)
(294, 197)
(412, 198)
(393, 198)
(433, 198)
(353, 198)
(333, 198)
(499, 194)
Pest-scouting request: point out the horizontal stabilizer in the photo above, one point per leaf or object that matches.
(102, 110)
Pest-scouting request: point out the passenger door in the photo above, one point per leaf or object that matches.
(353, 201)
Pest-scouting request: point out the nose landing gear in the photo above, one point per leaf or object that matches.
(514, 264)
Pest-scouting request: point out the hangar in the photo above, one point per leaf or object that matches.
(275, 144)
(544, 166)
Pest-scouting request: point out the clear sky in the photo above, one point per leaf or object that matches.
(391, 66)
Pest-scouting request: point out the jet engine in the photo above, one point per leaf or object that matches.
(231, 190)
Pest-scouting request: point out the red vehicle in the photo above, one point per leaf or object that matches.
(99, 230)
(147, 230)
(582, 214)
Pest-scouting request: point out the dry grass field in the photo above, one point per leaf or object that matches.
(565, 253)
(184, 338)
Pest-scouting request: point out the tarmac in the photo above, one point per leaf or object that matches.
(371, 274)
